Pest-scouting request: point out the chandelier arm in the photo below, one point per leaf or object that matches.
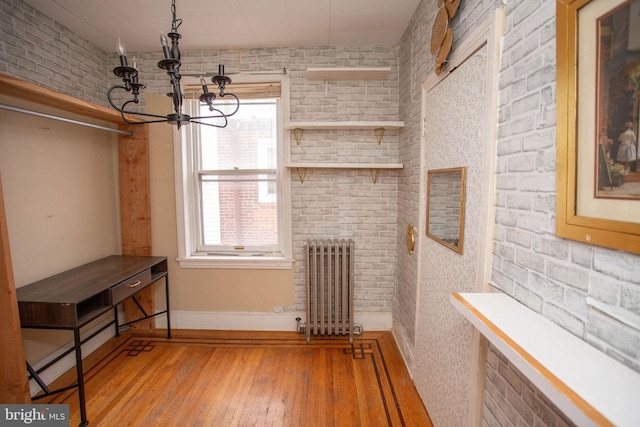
(164, 119)
(237, 103)
(122, 109)
(222, 115)
(109, 97)
(210, 124)
(220, 111)
(136, 113)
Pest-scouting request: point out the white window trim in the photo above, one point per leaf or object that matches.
(184, 211)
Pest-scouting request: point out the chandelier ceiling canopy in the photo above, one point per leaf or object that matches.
(171, 64)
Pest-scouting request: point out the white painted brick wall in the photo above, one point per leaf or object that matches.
(512, 400)
(550, 275)
(330, 203)
(35, 48)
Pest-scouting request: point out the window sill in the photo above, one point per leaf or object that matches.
(239, 262)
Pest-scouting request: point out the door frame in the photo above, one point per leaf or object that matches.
(489, 33)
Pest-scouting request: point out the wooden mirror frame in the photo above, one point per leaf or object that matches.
(598, 231)
(463, 173)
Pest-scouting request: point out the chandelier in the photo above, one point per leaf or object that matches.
(171, 64)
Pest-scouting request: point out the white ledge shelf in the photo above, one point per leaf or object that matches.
(346, 165)
(347, 73)
(591, 388)
(374, 168)
(353, 125)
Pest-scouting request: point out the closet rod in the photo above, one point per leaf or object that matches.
(63, 119)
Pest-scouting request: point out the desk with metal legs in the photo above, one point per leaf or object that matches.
(72, 299)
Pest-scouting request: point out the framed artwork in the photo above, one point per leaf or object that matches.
(598, 89)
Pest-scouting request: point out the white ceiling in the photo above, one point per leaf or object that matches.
(234, 24)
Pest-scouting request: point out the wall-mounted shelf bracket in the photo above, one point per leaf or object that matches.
(379, 128)
(302, 173)
(374, 174)
(297, 132)
(379, 134)
(374, 168)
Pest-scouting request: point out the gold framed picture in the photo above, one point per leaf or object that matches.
(598, 45)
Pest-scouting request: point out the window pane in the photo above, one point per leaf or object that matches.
(239, 210)
(239, 145)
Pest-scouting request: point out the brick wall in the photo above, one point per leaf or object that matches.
(247, 218)
(330, 203)
(346, 203)
(512, 400)
(35, 48)
(550, 275)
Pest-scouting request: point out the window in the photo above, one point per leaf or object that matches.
(232, 188)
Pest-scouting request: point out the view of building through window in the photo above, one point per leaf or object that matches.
(237, 185)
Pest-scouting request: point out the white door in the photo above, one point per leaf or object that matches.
(459, 116)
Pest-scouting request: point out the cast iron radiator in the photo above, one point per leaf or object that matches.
(329, 284)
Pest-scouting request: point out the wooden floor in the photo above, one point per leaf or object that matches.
(231, 378)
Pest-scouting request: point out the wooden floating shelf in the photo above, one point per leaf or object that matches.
(360, 73)
(588, 386)
(354, 125)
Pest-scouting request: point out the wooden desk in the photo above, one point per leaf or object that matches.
(71, 299)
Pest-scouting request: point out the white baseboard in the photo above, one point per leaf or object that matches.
(405, 349)
(260, 321)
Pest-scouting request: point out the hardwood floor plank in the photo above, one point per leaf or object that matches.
(235, 378)
(199, 396)
(345, 407)
(251, 360)
(370, 403)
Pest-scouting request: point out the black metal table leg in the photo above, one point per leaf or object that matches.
(37, 378)
(80, 374)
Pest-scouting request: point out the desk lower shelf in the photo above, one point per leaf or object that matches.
(590, 387)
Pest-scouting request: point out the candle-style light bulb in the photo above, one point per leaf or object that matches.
(165, 46)
(220, 70)
(135, 66)
(122, 52)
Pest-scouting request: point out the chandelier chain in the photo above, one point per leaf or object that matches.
(175, 22)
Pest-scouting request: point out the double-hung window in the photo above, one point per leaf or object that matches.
(232, 188)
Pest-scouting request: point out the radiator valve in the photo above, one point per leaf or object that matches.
(300, 326)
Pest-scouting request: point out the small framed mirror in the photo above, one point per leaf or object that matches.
(445, 206)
